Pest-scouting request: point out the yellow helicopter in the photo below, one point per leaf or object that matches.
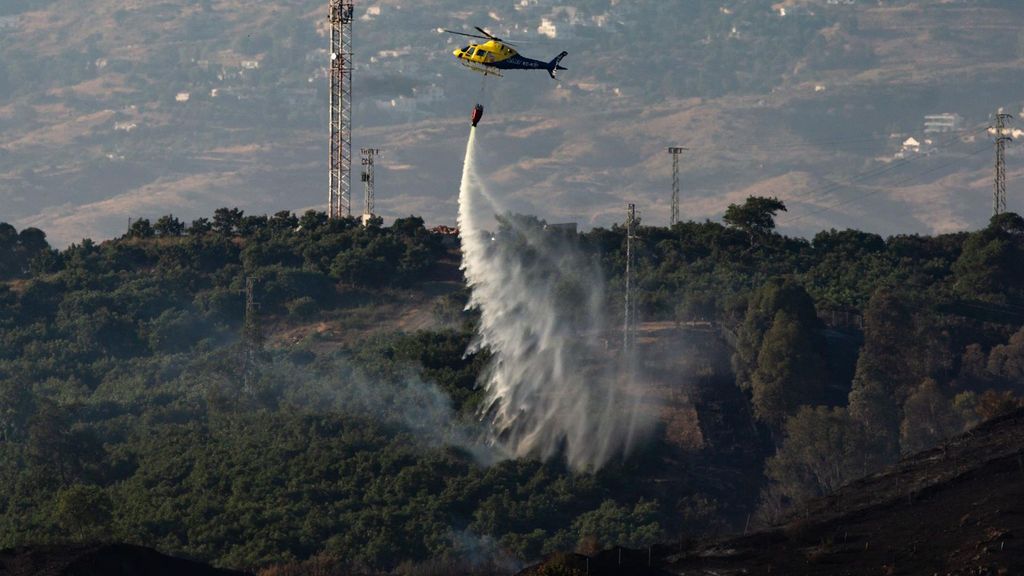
(495, 55)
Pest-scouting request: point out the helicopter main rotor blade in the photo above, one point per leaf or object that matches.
(469, 35)
(488, 34)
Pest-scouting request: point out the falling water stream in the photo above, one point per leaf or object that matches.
(553, 389)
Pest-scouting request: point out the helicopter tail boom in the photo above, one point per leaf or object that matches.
(554, 65)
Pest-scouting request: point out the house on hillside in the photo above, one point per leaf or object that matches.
(913, 147)
(370, 13)
(793, 8)
(10, 22)
(547, 28)
(560, 22)
(910, 147)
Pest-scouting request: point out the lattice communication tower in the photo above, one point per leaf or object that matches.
(1003, 134)
(368, 157)
(252, 337)
(339, 199)
(675, 151)
(629, 319)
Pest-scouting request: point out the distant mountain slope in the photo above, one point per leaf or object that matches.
(183, 106)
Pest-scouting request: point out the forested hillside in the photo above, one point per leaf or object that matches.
(128, 410)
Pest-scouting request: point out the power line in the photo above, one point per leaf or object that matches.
(871, 139)
(882, 170)
(874, 192)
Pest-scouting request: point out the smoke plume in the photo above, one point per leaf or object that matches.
(552, 388)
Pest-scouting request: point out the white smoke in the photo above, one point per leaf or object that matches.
(552, 388)
(402, 400)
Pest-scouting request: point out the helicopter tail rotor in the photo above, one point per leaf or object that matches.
(555, 65)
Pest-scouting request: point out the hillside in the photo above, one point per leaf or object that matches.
(804, 106)
(339, 418)
(953, 510)
(99, 560)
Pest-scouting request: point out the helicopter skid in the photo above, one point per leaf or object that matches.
(485, 70)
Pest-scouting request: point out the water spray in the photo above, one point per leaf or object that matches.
(552, 389)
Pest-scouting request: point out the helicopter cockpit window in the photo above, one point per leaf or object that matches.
(466, 50)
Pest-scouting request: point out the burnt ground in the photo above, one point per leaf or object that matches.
(955, 510)
(100, 560)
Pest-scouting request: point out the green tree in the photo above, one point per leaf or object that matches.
(991, 266)
(252, 225)
(283, 222)
(141, 228)
(874, 408)
(888, 356)
(84, 511)
(312, 220)
(200, 227)
(755, 217)
(762, 307)
(928, 418)
(1006, 361)
(16, 407)
(612, 524)
(8, 236)
(168, 226)
(790, 370)
(824, 448)
(33, 240)
(884, 375)
(993, 404)
(10, 261)
(49, 445)
(226, 221)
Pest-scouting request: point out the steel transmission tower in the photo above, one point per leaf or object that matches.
(369, 155)
(629, 320)
(1002, 134)
(252, 337)
(339, 199)
(675, 151)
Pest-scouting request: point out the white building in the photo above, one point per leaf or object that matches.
(370, 13)
(911, 146)
(10, 22)
(942, 123)
(547, 28)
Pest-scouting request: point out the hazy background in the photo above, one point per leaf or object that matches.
(810, 101)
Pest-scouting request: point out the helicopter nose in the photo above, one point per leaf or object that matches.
(457, 52)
